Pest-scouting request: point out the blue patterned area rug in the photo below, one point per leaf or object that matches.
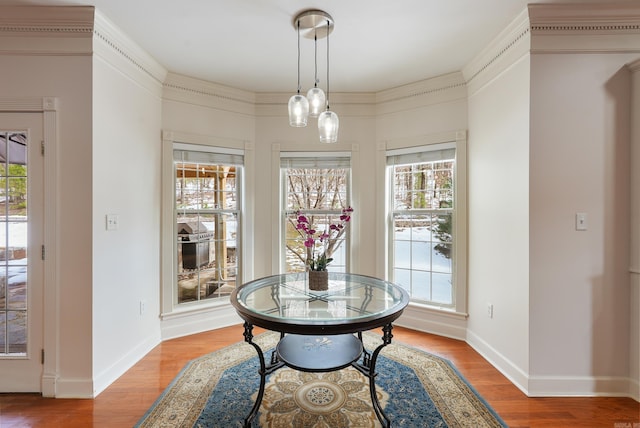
(415, 389)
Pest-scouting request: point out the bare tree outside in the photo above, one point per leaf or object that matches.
(320, 194)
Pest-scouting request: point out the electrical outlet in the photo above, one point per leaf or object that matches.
(143, 305)
(490, 310)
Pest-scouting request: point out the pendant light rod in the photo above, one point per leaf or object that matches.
(299, 87)
(328, 26)
(315, 62)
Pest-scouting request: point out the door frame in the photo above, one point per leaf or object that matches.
(48, 106)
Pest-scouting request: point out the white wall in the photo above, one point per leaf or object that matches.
(422, 109)
(634, 263)
(499, 219)
(126, 182)
(580, 107)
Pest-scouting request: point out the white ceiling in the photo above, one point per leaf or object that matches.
(252, 44)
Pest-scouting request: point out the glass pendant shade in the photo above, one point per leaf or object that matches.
(328, 126)
(298, 111)
(317, 101)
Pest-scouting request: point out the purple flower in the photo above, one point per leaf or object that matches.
(327, 237)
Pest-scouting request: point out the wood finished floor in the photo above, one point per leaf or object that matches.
(127, 399)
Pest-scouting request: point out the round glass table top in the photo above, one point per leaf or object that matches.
(352, 303)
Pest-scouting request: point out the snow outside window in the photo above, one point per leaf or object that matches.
(422, 216)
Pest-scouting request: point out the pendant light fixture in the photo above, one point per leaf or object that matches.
(298, 105)
(312, 24)
(328, 121)
(315, 96)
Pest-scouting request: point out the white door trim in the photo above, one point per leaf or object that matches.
(48, 106)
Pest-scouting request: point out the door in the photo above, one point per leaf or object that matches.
(21, 252)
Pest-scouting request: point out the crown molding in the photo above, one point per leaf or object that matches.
(56, 21)
(441, 89)
(46, 30)
(430, 91)
(585, 28)
(114, 45)
(609, 16)
(634, 67)
(190, 90)
(421, 88)
(505, 49)
(280, 98)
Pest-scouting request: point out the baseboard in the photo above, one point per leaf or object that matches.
(634, 389)
(49, 383)
(582, 386)
(74, 388)
(442, 323)
(117, 369)
(505, 366)
(555, 386)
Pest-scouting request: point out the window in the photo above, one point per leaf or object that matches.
(13, 242)
(207, 212)
(422, 218)
(316, 186)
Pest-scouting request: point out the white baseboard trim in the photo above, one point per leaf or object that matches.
(555, 386)
(505, 366)
(579, 386)
(634, 389)
(49, 383)
(117, 369)
(74, 388)
(179, 324)
(442, 323)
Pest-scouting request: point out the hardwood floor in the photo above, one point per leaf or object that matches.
(126, 400)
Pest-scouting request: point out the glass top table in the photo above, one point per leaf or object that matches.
(320, 330)
(352, 303)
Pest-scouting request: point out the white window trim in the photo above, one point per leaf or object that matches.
(320, 150)
(408, 145)
(283, 192)
(187, 318)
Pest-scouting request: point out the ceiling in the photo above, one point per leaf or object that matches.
(252, 44)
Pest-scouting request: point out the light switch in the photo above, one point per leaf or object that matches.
(112, 222)
(581, 221)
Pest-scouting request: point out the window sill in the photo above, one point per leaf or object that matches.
(447, 312)
(188, 309)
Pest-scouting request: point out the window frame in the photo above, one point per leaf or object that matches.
(173, 314)
(336, 157)
(208, 156)
(459, 215)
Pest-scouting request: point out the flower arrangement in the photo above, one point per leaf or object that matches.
(326, 239)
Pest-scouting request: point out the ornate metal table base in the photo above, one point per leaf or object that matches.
(367, 367)
(274, 364)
